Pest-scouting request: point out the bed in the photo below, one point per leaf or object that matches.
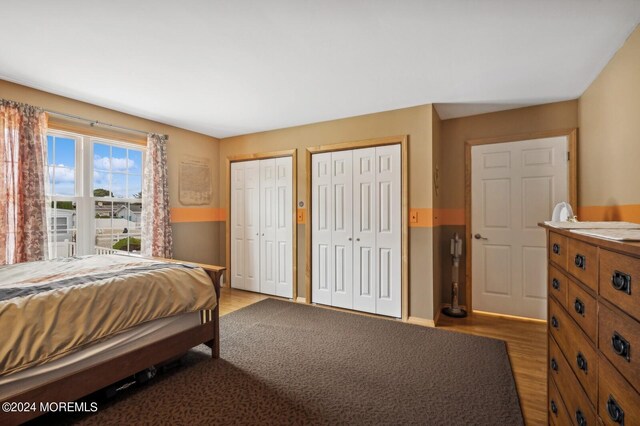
(75, 325)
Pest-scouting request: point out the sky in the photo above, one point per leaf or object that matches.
(116, 169)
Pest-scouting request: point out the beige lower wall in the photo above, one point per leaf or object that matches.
(182, 143)
(415, 122)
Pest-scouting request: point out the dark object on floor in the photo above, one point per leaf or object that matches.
(284, 363)
(455, 310)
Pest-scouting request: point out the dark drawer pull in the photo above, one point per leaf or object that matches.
(580, 418)
(554, 322)
(620, 345)
(554, 364)
(615, 412)
(578, 305)
(555, 284)
(621, 281)
(582, 362)
(556, 248)
(580, 261)
(554, 407)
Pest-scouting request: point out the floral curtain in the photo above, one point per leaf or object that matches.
(23, 220)
(156, 221)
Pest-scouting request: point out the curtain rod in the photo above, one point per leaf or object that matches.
(96, 122)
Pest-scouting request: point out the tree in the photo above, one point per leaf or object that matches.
(134, 244)
(99, 192)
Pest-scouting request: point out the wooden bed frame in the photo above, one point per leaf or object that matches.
(82, 383)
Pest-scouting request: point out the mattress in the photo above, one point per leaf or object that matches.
(97, 353)
(50, 309)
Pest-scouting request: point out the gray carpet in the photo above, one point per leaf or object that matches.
(286, 363)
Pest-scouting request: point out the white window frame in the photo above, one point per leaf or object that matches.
(84, 198)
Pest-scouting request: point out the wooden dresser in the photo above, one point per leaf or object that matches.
(594, 330)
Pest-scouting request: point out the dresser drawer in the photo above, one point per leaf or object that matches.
(575, 400)
(558, 249)
(620, 281)
(558, 413)
(583, 309)
(583, 262)
(581, 355)
(619, 341)
(618, 402)
(558, 284)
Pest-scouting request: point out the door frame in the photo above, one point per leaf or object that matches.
(401, 140)
(293, 153)
(572, 145)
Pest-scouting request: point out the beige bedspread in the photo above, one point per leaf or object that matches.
(50, 308)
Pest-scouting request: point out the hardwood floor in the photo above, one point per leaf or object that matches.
(526, 345)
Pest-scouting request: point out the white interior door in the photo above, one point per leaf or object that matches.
(237, 225)
(342, 229)
(268, 212)
(284, 226)
(364, 227)
(252, 225)
(321, 207)
(514, 186)
(389, 231)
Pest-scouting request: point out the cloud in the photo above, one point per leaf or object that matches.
(117, 164)
(62, 174)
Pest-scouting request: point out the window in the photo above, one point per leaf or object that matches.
(95, 188)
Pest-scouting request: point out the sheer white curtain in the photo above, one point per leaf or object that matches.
(156, 220)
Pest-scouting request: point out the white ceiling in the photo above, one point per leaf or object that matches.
(240, 66)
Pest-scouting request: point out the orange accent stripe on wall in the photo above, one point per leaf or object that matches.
(626, 213)
(448, 217)
(198, 214)
(420, 218)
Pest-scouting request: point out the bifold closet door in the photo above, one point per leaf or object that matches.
(342, 229)
(262, 226)
(284, 227)
(237, 225)
(268, 211)
(357, 229)
(389, 230)
(364, 214)
(252, 225)
(321, 207)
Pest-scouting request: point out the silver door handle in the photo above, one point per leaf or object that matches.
(350, 239)
(479, 237)
(257, 233)
(357, 239)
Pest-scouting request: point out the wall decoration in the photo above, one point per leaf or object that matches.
(195, 182)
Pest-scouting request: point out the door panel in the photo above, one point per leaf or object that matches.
(268, 212)
(321, 228)
(284, 227)
(364, 214)
(342, 229)
(388, 206)
(252, 225)
(514, 186)
(237, 225)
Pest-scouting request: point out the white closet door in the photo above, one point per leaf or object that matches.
(321, 228)
(252, 225)
(284, 227)
(342, 229)
(268, 213)
(389, 230)
(237, 225)
(364, 229)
